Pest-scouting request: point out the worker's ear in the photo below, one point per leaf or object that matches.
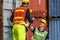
(27, 24)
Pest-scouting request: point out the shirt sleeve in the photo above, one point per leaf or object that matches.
(28, 16)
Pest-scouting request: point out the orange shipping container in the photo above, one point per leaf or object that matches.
(38, 7)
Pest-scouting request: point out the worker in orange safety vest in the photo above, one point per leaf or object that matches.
(18, 18)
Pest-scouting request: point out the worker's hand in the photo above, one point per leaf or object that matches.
(31, 28)
(27, 25)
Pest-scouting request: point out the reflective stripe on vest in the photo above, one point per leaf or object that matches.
(39, 34)
(18, 17)
(19, 10)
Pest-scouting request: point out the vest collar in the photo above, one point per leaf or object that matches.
(39, 30)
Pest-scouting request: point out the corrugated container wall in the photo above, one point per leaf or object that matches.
(7, 7)
(54, 29)
(7, 35)
(54, 7)
(54, 23)
(38, 7)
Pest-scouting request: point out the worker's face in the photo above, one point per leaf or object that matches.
(42, 26)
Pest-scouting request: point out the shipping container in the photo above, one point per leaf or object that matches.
(54, 7)
(6, 18)
(7, 33)
(1, 20)
(7, 4)
(7, 7)
(38, 7)
(18, 3)
(54, 23)
(54, 29)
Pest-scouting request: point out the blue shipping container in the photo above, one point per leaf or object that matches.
(54, 29)
(54, 7)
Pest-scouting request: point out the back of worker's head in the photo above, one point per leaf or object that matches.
(25, 2)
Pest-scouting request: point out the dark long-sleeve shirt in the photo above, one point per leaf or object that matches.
(28, 16)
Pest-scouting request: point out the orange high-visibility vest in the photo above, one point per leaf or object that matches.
(19, 14)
